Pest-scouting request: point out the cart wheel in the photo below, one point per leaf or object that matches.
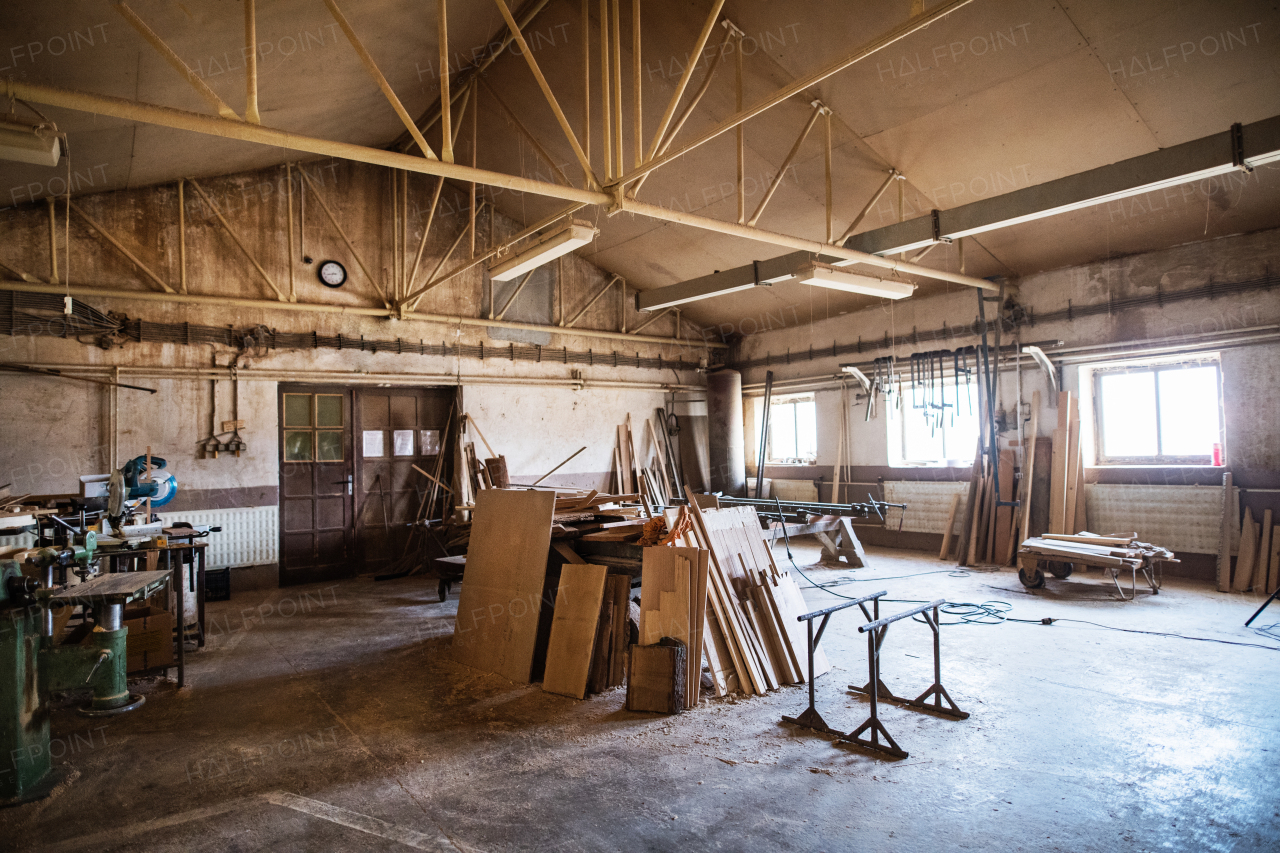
(1031, 579)
(1060, 570)
(443, 589)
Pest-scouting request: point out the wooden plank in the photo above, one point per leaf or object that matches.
(1069, 524)
(497, 623)
(655, 680)
(771, 595)
(792, 605)
(602, 642)
(1087, 540)
(573, 629)
(970, 508)
(570, 555)
(712, 653)
(1058, 481)
(1029, 466)
(948, 533)
(1004, 514)
(1224, 536)
(1260, 576)
(621, 628)
(1273, 575)
(699, 607)
(624, 459)
(771, 635)
(1243, 577)
(1061, 550)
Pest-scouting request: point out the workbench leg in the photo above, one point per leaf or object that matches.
(176, 580)
(198, 554)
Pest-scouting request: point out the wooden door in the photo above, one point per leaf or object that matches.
(397, 428)
(316, 490)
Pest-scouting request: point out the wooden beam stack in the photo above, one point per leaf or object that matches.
(1066, 479)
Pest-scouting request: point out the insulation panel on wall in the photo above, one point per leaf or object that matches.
(1181, 518)
(928, 503)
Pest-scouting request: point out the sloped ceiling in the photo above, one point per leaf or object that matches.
(999, 95)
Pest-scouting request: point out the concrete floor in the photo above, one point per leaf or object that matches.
(332, 718)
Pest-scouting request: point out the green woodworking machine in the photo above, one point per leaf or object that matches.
(33, 666)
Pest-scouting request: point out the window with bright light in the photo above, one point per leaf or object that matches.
(929, 435)
(1159, 414)
(793, 430)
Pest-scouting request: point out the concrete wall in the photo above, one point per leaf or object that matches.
(1251, 382)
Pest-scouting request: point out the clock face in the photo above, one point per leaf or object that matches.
(332, 274)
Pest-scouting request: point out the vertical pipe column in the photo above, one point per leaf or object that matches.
(725, 435)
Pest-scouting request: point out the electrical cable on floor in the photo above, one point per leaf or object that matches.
(996, 612)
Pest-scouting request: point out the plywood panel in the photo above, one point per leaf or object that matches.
(573, 629)
(497, 622)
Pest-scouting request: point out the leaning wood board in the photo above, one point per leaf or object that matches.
(1260, 563)
(573, 629)
(1273, 576)
(1243, 578)
(497, 623)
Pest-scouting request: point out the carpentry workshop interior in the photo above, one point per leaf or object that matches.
(486, 425)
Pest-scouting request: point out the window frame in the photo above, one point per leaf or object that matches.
(1154, 368)
(898, 423)
(792, 400)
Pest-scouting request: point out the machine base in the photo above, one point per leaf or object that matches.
(51, 780)
(136, 700)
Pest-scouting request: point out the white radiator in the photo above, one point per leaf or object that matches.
(928, 503)
(22, 540)
(1180, 518)
(250, 535)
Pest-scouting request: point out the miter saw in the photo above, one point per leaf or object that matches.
(125, 491)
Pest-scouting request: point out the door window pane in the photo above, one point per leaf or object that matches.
(328, 410)
(297, 446)
(329, 445)
(429, 440)
(297, 410)
(1128, 401)
(1188, 411)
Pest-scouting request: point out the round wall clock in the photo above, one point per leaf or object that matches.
(332, 274)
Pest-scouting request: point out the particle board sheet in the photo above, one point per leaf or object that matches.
(1181, 518)
(497, 623)
(928, 503)
(573, 629)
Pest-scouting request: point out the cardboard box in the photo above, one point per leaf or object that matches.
(150, 640)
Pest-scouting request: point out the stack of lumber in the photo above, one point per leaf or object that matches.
(1258, 564)
(990, 533)
(652, 474)
(586, 651)
(673, 603)
(752, 641)
(1092, 550)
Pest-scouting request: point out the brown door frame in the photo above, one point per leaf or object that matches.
(347, 565)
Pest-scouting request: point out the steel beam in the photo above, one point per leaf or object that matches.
(251, 113)
(1257, 144)
(818, 109)
(341, 233)
(911, 26)
(235, 238)
(119, 247)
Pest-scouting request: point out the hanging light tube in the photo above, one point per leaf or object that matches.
(572, 236)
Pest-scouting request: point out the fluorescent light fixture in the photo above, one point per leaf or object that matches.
(821, 275)
(25, 144)
(555, 244)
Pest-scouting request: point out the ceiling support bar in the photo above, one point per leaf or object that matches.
(119, 247)
(372, 68)
(818, 109)
(515, 293)
(651, 319)
(586, 89)
(688, 110)
(830, 195)
(425, 123)
(446, 115)
(533, 140)
(53, 240)
(875, 197)
(637, 116)
(546, 87)
(194, 122)
(592, 301)
(911, 26)
(616, 55)
(740, 132)
(432, 282)
(606, 93)
(251, 113)
(707, 26)
(315, 191)
(182, 238)
(176, 62)
(235, 238)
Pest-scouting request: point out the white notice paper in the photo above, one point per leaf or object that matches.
(430, 440)
(402, 442)
(373, 442)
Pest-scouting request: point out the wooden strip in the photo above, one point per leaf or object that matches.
(1273, 576)
(792, 604)
(1069, 524)
(573, 629)
(1087, 540)
(1058, 482)
(1004, 514)
(1243, 577)
(948, 533)
(1260, 563)
(1029, 466)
